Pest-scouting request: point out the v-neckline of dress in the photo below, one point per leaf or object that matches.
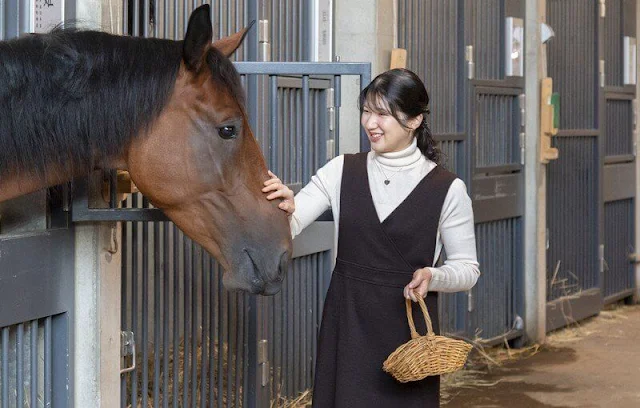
(402, 203)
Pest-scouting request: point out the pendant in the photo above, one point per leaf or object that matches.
(386, 182)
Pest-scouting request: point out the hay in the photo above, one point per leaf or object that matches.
(170, 391)
(302, 401)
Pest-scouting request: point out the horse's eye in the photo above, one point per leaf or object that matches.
(227, 132)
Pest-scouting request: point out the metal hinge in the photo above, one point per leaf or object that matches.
(263, 40)
(602, 73)
(469, 58)
(263, 361)
(331, 112)
(601, 258)
(603, 8)
(128, 348)
(522, 148)
(470, 301)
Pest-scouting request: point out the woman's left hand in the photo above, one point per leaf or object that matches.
(419, 283)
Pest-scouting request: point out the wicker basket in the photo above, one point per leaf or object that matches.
(426, 355)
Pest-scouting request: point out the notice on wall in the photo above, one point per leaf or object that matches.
(46, 14)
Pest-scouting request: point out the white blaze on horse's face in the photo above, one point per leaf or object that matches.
(218, 165)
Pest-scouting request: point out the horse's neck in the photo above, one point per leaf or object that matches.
(18, 185)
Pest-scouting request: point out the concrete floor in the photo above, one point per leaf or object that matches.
(594, 364)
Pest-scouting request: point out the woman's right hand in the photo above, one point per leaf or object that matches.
(279, 190)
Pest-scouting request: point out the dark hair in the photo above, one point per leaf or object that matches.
(402, 94)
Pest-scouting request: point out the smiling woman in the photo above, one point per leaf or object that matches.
(397, 208)
(170, 112)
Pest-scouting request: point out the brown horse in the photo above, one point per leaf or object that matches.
(169, 112)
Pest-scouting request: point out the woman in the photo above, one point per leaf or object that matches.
(396, 209)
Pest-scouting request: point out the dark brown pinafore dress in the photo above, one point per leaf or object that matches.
(364, 317)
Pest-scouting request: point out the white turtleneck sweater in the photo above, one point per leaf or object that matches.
(404, 169)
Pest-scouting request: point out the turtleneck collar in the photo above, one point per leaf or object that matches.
(405, 157)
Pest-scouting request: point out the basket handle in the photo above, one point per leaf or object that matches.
(425, 312)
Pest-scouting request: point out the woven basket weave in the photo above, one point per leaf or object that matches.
(426, 355)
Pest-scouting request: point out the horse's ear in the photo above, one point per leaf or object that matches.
(228, 45)
(198, 37)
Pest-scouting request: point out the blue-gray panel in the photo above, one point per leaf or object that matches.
(194, 329)
(497, 137)
(36, 275)
(294, 317)
(613, 42)
(289, 142)
(288, 28)
(572, 211)
(501, 261)
(488, 21)
(428, 31)
(573, 60)
(618, 135)
(34, 363)
(450, 155)
(619, 243)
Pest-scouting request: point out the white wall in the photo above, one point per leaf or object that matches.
(364, 32)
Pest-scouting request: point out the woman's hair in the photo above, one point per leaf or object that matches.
(400, 93)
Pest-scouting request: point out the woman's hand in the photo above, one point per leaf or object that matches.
(419, 283)
(280, 190)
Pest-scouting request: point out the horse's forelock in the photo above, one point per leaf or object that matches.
(223, 71)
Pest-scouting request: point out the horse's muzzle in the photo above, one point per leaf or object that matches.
(265, 280)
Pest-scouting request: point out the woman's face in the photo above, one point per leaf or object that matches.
(385, 133)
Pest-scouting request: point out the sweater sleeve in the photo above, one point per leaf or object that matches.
(460, 271)
(318, 196)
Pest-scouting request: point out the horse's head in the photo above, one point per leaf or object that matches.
(201, 164)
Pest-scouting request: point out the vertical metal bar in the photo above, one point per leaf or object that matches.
(146, 12)
(187, 320)
(124, 304)
(221, 330)
(33, 400)
(213, 284)
(134, 294)
(246, 360)
(165, 314)
(238, 342)
(230, 323)
(176, 314)
(144, 390)
(125, 17)
(5, 367)
(273, 145)
(205, 287)
(156, 13)
(20, 365)
(176, 25)
(136, 18)
(47, 362)
(113, 188)
(305, 130)
(157, 322)
(165, 31)
(185, 16)
(337, 99)
(194, 325)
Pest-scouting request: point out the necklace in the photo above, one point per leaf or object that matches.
(387, 180)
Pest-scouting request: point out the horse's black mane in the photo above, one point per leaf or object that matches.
(71, 95)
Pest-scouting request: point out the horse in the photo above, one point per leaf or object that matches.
(171, 113)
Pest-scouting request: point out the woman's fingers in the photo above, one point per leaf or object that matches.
(419, 284)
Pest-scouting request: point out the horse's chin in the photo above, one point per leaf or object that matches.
(254, 286)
